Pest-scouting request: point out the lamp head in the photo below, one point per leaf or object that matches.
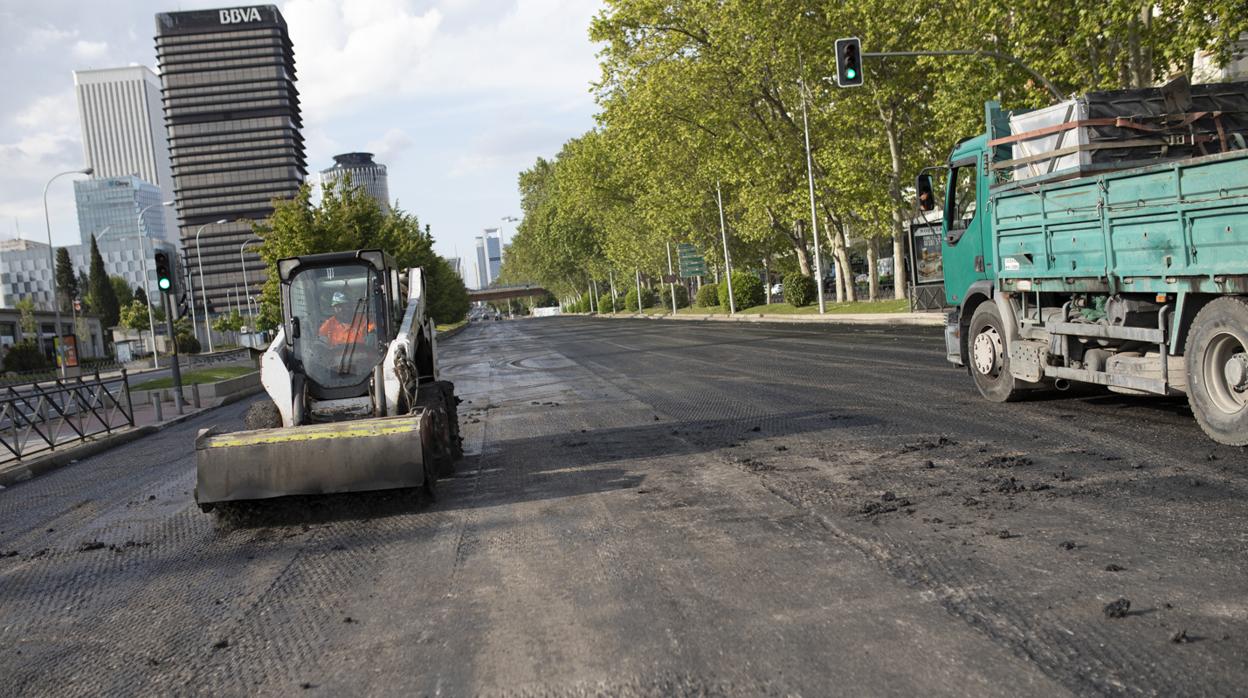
(87, 171)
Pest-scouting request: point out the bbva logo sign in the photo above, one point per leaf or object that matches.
(240, 14)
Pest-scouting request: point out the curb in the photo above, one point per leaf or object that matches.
(894, 319)
(451, 333)
(96, 445)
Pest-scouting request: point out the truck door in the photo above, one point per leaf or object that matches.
(966, 248)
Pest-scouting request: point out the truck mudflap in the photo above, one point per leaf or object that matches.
(953, 346)
(356, 456)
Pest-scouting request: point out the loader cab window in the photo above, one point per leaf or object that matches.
(341, 316)
(960, 205)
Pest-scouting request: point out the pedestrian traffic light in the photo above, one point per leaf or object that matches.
(849, 62)
(164, 278)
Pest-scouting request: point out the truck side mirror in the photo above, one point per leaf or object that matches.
(294, 328)
(924, 192)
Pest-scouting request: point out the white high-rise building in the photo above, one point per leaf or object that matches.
(489, 257)
(123, 128)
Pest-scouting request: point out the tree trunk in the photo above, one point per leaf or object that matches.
(894, 192)
(845, 292)
(873, 268)
(797, 239)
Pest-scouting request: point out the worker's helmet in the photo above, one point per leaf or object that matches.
(338, 298)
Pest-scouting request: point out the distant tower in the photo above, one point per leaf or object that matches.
(489, 257)
(123, 135)
(364, 173)
(232, 112)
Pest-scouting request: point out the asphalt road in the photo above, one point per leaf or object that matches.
(658, 508)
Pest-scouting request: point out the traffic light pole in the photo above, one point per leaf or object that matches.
(971, 52)
(173, 339)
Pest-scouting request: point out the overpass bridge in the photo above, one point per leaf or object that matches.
(502, 293)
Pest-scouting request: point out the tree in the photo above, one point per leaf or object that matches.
(228, 323)
(134, 315)
(26, 318)
(66, 280)
(101, 295)
(122, 290)
(140, 295)
(348, 218)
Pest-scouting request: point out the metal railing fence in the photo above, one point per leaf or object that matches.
(39, 417)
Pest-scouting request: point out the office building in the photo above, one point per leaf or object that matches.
(489, 257)
(25, 272)
(363, 172)
(232, 113)
(123, 130)
(113, 204)
(26, 266)
(457, 265)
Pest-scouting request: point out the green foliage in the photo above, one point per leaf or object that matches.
(66, 280)
(25, 356)
(26, 316)
(448, 297)
(630, 299)
(607, 305)
(707, 296)
(140, 295)
(122, 290)
(747, 291)
(184, 336)
(348, 218)
(682, 296)
(800, 290)
(101, 295)
(134, 316)
(228, 323)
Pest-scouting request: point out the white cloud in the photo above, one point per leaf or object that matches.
(51, 114)
(356, 53)
(390, 145)
(89, 50)
(355, 49)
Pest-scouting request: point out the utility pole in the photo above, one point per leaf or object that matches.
(810, 178)
(638, 276)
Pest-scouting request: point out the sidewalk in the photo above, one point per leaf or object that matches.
(934, 319)
(73, 450)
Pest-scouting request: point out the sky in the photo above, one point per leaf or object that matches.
(455, 97)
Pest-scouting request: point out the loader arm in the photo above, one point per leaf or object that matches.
(402, 364)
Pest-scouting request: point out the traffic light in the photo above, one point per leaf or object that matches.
(183, 307)
(849, 62)
(164, 278)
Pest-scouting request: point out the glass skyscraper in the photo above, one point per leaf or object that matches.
(232, 112)
(114, 203)
(363, 172)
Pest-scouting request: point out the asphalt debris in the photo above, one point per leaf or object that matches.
(1111, 567)
(1181, 637)
(221, 644)
(1004, 534)
(11, 553)
(1067, 545)
(1006, 461)
(1117, 609)
(92, 545)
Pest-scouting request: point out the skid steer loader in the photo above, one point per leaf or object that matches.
(355, 401)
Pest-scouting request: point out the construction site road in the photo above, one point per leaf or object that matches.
(665, 509)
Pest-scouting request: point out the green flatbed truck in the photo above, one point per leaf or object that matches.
(1134, 278)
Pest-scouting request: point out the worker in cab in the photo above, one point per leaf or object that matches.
(349, 323)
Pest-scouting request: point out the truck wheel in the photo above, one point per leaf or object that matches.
(1216, 356)
(989, 358)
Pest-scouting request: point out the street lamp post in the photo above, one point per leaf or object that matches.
(723, 231)
(242, 262)
(814, 224)
(202, 291)
(56, 302)
(151, 320)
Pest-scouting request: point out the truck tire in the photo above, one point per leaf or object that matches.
(1216, 356)
(989, 362)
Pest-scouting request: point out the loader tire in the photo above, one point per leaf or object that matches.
(263, 415)
(439, 398)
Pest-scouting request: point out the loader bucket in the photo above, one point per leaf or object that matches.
(356, 456)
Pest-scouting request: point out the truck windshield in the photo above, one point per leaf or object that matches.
(338, 316)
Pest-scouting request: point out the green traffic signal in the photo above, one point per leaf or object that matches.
(163, 282)
(851, 73)
(164, 275)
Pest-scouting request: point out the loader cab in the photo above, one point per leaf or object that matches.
(340, 313)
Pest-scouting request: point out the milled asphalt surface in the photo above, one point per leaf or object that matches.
(653, 508)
